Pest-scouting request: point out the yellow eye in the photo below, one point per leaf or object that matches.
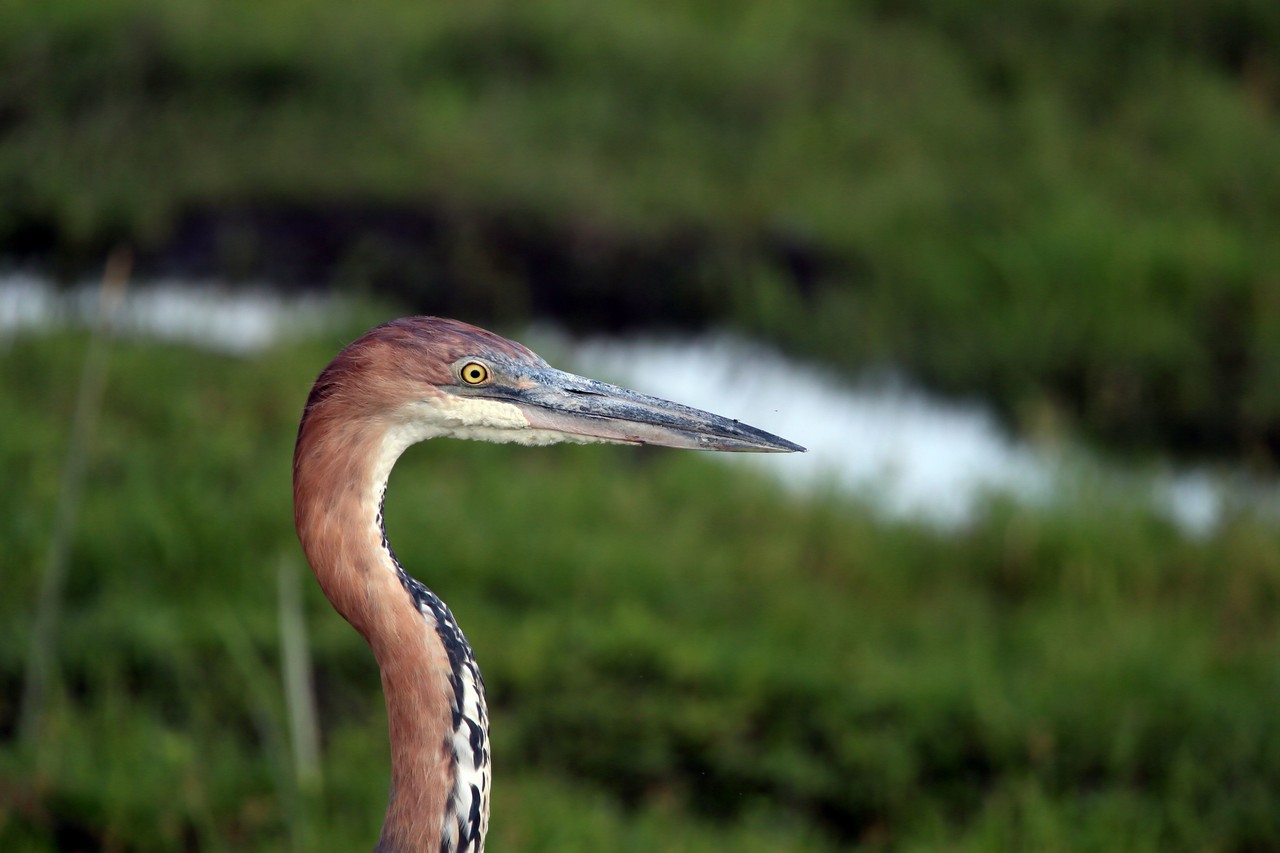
(474, 373)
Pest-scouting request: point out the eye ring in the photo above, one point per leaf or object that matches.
(474, 373)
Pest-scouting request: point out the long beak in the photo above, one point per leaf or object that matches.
(555, 400)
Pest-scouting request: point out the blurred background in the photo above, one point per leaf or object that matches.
(1010, 270)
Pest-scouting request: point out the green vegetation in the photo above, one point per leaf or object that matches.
(1069, 208)
(678, 659)
(1063, 205)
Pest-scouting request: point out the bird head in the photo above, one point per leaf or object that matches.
(428, 377)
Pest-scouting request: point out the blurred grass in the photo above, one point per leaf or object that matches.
(1053, 204)
(677, 657)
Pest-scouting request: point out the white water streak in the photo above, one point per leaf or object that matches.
(909, 453)
(239, 321)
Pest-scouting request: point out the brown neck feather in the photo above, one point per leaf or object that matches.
(336, 505)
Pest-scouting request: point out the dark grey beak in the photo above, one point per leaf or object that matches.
(554, 400)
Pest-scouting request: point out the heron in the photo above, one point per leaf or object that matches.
(400, 383)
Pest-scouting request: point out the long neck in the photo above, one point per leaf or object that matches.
(435, 698)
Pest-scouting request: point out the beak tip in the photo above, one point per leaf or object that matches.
(778, 444)
(771, 444)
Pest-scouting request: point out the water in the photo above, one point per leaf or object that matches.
(240, 321)
(910, 454)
